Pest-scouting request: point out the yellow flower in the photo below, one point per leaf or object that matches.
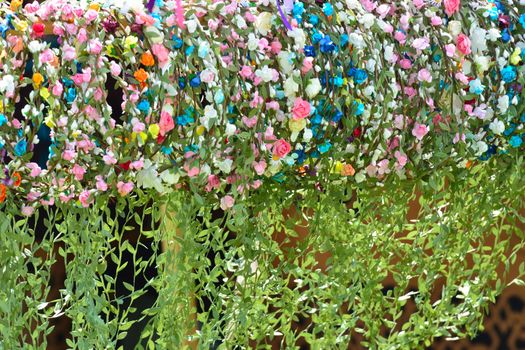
(154, 130)
(94, 6)
(21, 25)
(297, 125)
(15, 4)
(38, 79)
(130, 42)
(200, 130)
(50, 121)
(338, 167)
(44, 92)
(515, 58)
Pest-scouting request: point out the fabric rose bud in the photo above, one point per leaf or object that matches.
(124, 188)
(301, 109)
(451, 6)
(280, 149)
(463, 44)
(419, 131)
(141, 75)
(147, 59)
(347, 170)
(424, 76)
(227, 202)
(39, 29)
(166, 123)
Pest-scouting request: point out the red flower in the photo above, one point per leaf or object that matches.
(39, 29)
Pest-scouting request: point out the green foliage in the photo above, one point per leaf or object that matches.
(444, 261)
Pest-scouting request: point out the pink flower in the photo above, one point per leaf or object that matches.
(213, 183)
(450, 50)
(301, 109)
(78, 171)
(102, 186)
(84, 198)
(405, 63)
(47, 56)
(27, 210)
(436, 21)
(82, 36)
(424, 75)
(57, 89)
(227, 202)
(137, 165)
(401, 159)
(463, 44)
(281, 148)
(207, 76)
(109, 158)
(421, 43)
(250, 122)
(451, 6)
(35, 169)
(419, 130)
(69, 155)
(246, 72)
(308, 64)
(90, 15)
(276, 47)
(259, 167)
(69, 53)
(166, 123)
(94, 47)
(115, 68)
(124, 188)
(161, 52)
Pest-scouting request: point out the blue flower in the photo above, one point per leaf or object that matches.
(298, 10)
(20, 148)
(360, 76)
(325, 147)
(182, 82)
(510, 129)
(184, 120)
(522, 20)
(309, 51)
(337, 116)
(71, 95)
(522, 119)
(344, 39)
(328, 9)
(3, 119)
(338, 81)
(316, 37)
(360, 108)
(177, 42)
(144, 106)
(436, 57)
(189, 50)
(195, 81)
(508, 74)
(166, 150)
(475, 87)
(505, 35)
(313, 19)
(516, 141)
(326, 44)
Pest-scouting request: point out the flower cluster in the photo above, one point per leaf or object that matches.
(222, 97)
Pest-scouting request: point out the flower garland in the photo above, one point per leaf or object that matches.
(229, 96)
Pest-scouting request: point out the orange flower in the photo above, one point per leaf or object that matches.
(348, 170)
(17, 179)
(38, 79)
(3, 191)
(147, 59)
(141, 75)
(15, 4)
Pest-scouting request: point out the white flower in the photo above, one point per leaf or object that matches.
(36, 46)
(481, 147)
(7, 84)
(230, 129)
(125, 6)
(192, 25)
(389, 52)
(285, 62)
(478, 39)
(493, 34)
(454, 27)
(290, 87)
(253, 42)
(225, 166)
(266, 74)
(313, 87)
(148, 177)
(368, 20)
(299, 38)
(503, 103)
(241, 23)
(353, 4)
(263, 22)
(482, 63)
(356, 40)
(497, 126)
(307, 135)
(210, 115)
